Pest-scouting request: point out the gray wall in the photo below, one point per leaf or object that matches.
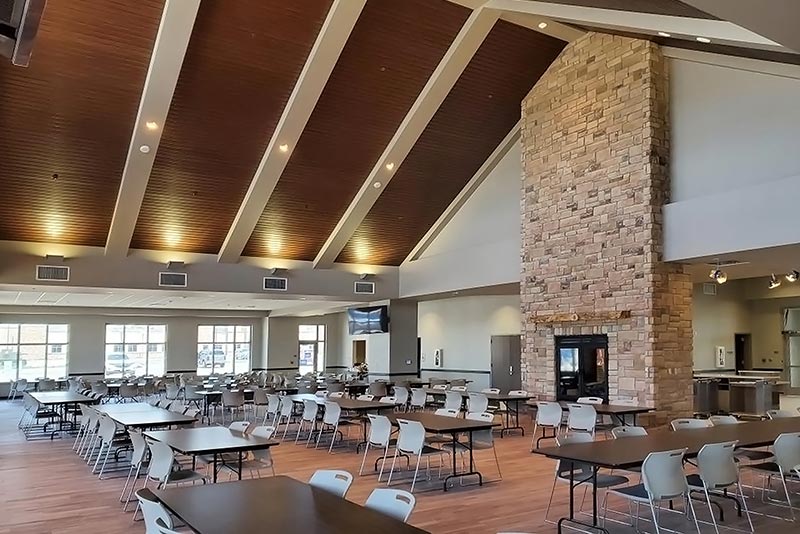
(282, 340)
(715, 320)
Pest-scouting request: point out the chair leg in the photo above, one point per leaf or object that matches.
(710, 509)
(391, 471)
(497, 461)
(550, 501)
(416, 471)
(533, 439)
(333, 437)
(655, 517)
(694, 514)
(744, 505)
(299, 428)
(383, 461)
(786, 492)
(364, 461)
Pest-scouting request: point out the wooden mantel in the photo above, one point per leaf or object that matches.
(580, 317)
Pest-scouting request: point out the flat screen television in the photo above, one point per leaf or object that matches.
(372, 320)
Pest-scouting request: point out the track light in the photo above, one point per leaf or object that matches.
(718, 275)
(792, 276)
(774, 282)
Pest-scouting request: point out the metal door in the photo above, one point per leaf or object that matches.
(505, 363)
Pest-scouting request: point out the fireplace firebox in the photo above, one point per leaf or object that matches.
(581, 367)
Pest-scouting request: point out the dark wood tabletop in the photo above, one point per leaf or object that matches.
(279, 503)
(150, 418)
(60, 397)
(219, 392)
(609, 453)
(206, 440)
(491, 396)
(353, 405)
(441, 424)
(604, 409)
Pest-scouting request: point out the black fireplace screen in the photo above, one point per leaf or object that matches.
(582, 367)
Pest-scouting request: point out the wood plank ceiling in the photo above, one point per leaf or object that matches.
(478, 113)
(242, 63)
(66, 121)
(392, 51)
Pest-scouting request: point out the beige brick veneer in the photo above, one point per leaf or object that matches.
(595, 153)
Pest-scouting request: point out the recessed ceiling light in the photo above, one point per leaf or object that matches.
(284, 148)
(144, 149)
(172, 238)
(664, 34)
(377, 185)
(151, 125)
(389, 166)
(703, 39)
(542, 25)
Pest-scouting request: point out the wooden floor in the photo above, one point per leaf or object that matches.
(46, 488)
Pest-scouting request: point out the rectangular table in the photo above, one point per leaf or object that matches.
(214, 440)
(609, 453)
(497, 397)
(126, 407)
(279, 503)
(60, 400)
(155, 417)
(347, 404)
(440, 424)
(213, 396)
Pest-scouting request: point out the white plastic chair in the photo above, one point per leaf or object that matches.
(478, 403)
(310, 409)
(481, 440)
(458, 388)
(153, 511)
(137, 460)
(418, 399)
(628, 432)
(394, 503)
(689, 424)
(366, 397)
(380, 432)
(332, 481)
(106, 432)
(332, 418)
(548, 415)
(411, 440)
(786, 465)
(285, 415)
(589, 400)
(718, 471)
(402, 396)
(663, 480)
(582, 418)
(18, 387)
(494, 391)
(258, 459)
(336, 395)
(232, 401)
(273, 408)
(781, 414)
(162, 459)
(453, 400)
(749, 454)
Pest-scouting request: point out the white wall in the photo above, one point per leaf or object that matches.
(283, 344)
(735, 173)
(87, 333)
(715, 321)
(480, 245)
(462, 327)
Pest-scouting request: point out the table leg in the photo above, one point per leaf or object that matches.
(240, 465)
(471, 471)
(215, 468)
(571, 518)
(517, 426)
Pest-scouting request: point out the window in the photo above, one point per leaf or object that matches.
(312, 348)
(223, 349)
(33, 351)
(135, 349)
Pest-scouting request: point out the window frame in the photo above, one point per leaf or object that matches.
(63, 347)
(124, 346)
(235, 344)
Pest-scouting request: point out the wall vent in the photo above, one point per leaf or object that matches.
(364, 288)
(275, 283)
(52, 273)
(709, 289)
(168, 279)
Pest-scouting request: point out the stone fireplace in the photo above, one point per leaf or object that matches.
(595, 164)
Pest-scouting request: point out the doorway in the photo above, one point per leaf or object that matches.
(505, 363)
(311, 350)
(741, 349)
(359, 351)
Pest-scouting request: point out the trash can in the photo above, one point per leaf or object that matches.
(706, 396)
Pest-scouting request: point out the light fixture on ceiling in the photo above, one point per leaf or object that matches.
(364, 276)
(284, 148)
(377, 185)
(174, 264)
(172, 238)
(144, 149)
(703, 40)
(151, 125)
(664, 34)
(773, 281)
(389, 166)
(542, 25)
(718, 275)
(792, 276)
(58, 258)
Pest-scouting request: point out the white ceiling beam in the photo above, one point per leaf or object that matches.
(475, 182)
(719, 31)
(174, 32)
(444, 77)
(332, 38)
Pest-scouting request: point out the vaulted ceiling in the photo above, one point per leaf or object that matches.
(231, 167)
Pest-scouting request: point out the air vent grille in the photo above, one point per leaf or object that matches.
(166, 279)
(274, 283)
(709, 289)
(364, 288)
(52, 273)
